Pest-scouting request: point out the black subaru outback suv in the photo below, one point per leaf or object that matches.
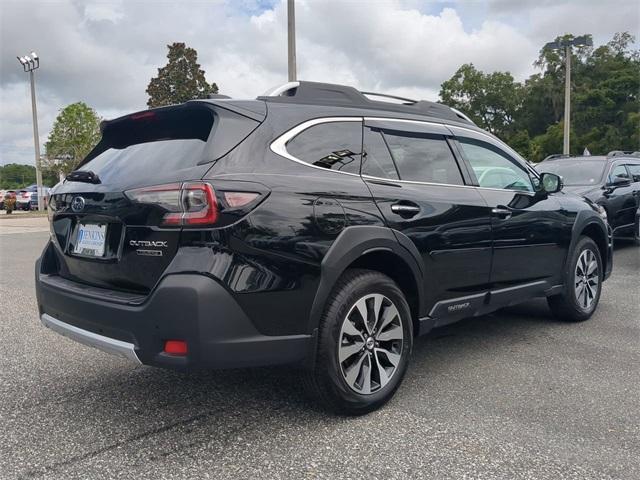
(312, 226)
(611, 181)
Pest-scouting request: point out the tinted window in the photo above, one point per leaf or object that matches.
(423, 157)
(493, 168)
(575, 171)
(618, 171)
(634, 170)
(137, 161)
(334, 145)
(144, 143)
(377, 161)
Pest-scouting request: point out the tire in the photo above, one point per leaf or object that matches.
(358, 369)
(581, 292)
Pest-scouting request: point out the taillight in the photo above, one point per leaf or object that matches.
(186, 204)
(239, 199)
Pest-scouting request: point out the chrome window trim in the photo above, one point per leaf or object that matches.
(279, 147)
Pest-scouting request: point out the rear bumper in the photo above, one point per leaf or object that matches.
(189, 307)
(106, 344)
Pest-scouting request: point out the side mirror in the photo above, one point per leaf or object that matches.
(551, 183)
(619, 181)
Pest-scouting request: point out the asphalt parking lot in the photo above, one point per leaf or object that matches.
(512, 395)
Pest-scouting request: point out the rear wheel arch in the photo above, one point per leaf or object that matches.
(373, 248)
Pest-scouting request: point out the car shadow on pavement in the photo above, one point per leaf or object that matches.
(211, 409)
(272, 389)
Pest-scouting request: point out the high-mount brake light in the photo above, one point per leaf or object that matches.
(186, 204)
(142, 115)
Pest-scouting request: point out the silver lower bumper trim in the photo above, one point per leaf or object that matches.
(106, 344)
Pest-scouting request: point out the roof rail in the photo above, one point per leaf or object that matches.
(621, 153)
(316, 93)
(405, 101)
(556, 156)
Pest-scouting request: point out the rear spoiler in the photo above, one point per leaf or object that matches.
(230, 121)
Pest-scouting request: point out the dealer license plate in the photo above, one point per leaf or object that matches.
(90, 240)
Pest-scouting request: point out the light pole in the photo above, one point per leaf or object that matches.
(291, 39)
(29, 64)
(566, 44)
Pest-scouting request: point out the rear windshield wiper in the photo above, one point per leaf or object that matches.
(83, 176)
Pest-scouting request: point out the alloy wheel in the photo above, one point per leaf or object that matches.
(587, 279)
(370, 343)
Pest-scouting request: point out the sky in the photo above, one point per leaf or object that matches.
(105, 52)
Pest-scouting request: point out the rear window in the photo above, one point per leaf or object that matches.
(143, 143)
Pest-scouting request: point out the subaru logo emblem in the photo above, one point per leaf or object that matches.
(77, 204)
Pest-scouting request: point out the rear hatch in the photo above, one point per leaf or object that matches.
(116, 221)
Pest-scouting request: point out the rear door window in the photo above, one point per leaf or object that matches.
(423, 157)
(333, 145)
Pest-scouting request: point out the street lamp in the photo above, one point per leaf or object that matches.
(29, 64)
(291, 40)
(583, 41)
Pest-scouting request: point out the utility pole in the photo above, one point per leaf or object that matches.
(29, 64)
(566, 43)
(291, 36)
(567, 99)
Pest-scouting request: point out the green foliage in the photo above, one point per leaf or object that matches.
(75, 132)
(605, 102)
(181, 79)
(490, 100)
(14, 176)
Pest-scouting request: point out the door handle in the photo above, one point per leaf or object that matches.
(405, 209)
(502, 212)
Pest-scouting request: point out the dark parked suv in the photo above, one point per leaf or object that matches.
(312, 226)
(611, 181)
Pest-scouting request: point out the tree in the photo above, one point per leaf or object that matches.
(181, 79)
(75, 132)
(16, 175)
(605, 98)
(491, 100)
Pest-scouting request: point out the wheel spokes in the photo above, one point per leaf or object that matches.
(394, 358)
(389, 315)
(350, 329)
(347, 351)
(370, 336)
(361, 306)
(366, 375)
(382, 372)
(393, 333)
(352, 374)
